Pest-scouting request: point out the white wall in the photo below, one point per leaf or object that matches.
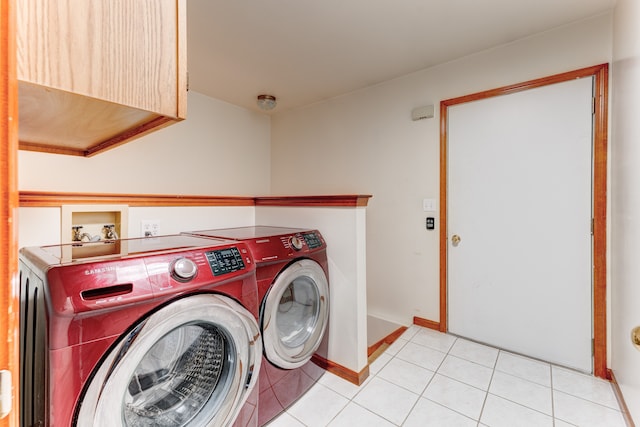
(41, 226)
(625, 195)
(221, 149)
(365, 142)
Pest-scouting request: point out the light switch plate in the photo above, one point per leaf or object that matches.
(429, 205)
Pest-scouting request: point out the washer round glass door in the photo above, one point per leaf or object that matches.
(191, 363)
(295, 314)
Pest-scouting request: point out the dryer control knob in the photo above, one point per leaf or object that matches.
(296, 243)
(184, 269)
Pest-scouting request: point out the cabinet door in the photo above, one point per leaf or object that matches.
(128, 52)
(9, 293)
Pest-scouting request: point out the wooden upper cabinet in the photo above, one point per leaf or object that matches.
(94, 74)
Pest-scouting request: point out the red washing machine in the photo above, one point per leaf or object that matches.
(158, 331)
(293, 287)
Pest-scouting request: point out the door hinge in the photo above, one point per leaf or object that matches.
(593, 347)
(593, 105)
(6, 398)
(593, 226)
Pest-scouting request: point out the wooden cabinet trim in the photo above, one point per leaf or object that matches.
(50, 199)
(128, 135)
(182, 70)
(83, 113)
(45, 199)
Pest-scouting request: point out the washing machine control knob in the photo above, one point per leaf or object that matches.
(184, 269)
(296, 243)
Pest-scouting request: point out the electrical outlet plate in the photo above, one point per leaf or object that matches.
(149, 227)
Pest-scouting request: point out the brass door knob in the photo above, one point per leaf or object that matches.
(455, 240)
(635, 337)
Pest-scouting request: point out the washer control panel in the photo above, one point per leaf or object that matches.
(296, 243)
(184, 269)
(312, 239)
(224, 261)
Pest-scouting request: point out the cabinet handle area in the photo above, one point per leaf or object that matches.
(6, 398)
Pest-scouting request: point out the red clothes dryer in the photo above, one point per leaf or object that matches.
(293, 287)
(158, 331)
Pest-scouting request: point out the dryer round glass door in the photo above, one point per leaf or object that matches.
(192, 363)
(295, 313)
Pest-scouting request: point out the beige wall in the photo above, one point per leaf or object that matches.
(625, 200)
(220, 149)
(365, 142)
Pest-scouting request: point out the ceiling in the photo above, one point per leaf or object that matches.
(304, 51)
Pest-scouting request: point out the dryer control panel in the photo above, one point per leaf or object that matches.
(312, 239)
(223, 261)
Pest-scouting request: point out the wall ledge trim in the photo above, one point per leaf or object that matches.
(352, 200)
(426, 323)
(53, 199)
(389, 339)
(353, 377)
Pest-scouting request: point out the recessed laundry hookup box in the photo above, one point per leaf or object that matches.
(94, 223)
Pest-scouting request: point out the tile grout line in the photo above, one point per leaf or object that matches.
(447, 353)
(493, 372)
(435, 372)
(487, 392)
(553, 404)
(552, 416)
(375, 375)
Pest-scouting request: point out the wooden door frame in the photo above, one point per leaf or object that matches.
(9, 302)
(600, 73)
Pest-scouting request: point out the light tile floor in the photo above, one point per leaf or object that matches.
(427, 378)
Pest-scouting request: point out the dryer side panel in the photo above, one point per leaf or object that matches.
(33, 399)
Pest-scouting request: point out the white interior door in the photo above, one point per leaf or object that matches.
(519, 198)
